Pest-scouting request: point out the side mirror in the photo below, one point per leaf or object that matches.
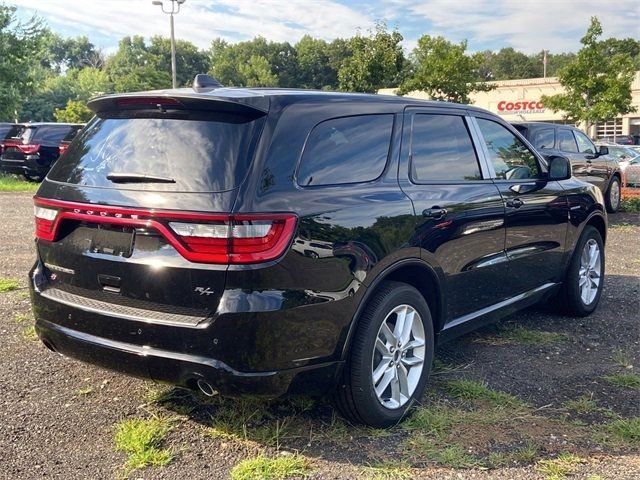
(603, 150)
(559, 168)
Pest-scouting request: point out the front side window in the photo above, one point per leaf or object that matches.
(544, 138)
(442, 150)
(584, 144)
(510, 157)
(566, 141)
(346, 150)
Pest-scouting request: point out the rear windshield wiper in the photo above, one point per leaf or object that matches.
(138, 178)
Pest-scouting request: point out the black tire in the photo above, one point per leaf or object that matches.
(569, 299)
(355, 396)
(33, 178)
(612, 204)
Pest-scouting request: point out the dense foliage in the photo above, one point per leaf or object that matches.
(44, 77)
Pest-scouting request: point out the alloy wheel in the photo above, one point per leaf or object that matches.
(589, 277)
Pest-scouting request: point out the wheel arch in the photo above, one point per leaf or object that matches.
(599, 223)
(414, 272)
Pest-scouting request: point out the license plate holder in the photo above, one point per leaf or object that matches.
(113, 241)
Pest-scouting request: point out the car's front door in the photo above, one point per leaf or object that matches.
(459, 209)
(536, 209)
(598, 167)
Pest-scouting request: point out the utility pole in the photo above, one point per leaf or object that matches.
(544, 63)
(175, 9)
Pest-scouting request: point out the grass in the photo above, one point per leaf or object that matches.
(630, 205)
(472, 390)
(265, 468)
(624, 432)
(451, 455)
(29, 333)
(526, 336)
(388, 471)
(8, 285)
(560, 467)
(583, 404)
(141, 440)
(623, 359)
(22, 317)
(624, 380)
(13, 183)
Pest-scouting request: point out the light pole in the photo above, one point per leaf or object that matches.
(175, 9)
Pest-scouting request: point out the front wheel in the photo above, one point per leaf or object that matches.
(390, 358)
(612, 198)
(584, 280)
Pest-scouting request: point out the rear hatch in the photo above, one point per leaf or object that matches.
(15, 145)
(134, 218)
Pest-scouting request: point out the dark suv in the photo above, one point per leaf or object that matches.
(590, 163)
(268, 241)
(30, 149)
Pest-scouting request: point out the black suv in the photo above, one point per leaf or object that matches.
(30, 149)
(590, 163)
(268, 241)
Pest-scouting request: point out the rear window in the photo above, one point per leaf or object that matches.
(4, 129)
(49, 134)
(17, 131)
(71, 134)
(201, 152)
(346, 150)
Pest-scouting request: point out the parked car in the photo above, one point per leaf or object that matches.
(632, 174)
(166, 240)
(32, 148)
(620, 139)
(68, 138)
(624, 155)
(589, 163)
(5, 133)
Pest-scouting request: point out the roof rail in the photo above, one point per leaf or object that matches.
(203, 83)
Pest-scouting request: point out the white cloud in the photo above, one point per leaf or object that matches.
(527, 25)
(201, 21)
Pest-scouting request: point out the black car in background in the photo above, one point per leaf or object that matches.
(265, 241)
(31, 148)
(589, 163)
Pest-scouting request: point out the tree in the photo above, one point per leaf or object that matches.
(597, 82)
(189, 60)
(20, 44)
(507, 64)
(134, 68)
(444, 71)
(376, 61)
(75, 112)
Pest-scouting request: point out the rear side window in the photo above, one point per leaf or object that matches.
(442, 150)
(510, 157)
(544, 138)
(566, 142)
(346, 150)
(208, 152)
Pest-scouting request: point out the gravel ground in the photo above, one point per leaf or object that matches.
(50, 429)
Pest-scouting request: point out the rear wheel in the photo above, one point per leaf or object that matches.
(612, 198)
(33, 178)
(390, 358)
(585, 277)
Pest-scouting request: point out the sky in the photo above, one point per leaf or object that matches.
(526, 25)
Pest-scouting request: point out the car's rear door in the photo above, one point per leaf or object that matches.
(459, 209)
(599, 168)
(536, 209)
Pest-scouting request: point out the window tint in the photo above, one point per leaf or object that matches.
(544, 138)
(584, 144)
(510, 157)
(346, 150)
(202, 152)
(441, 150)
(566, 142)
(50, 134)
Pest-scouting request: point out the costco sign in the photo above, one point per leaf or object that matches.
(521, 107)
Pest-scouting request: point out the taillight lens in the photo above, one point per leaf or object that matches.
(45, 222)
(29, 148)
(63, 148)
(199, 237)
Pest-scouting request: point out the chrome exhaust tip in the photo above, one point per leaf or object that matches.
(206, 388)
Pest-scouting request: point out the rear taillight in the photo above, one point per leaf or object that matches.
(202, 238)
(63, 147)
(28, 149)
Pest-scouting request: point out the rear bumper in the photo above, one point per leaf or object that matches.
(29, 165)
(180, 368)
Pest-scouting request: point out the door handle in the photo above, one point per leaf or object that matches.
(434, 212)
(514, 203)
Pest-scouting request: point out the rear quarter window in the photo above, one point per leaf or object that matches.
(346, 150)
